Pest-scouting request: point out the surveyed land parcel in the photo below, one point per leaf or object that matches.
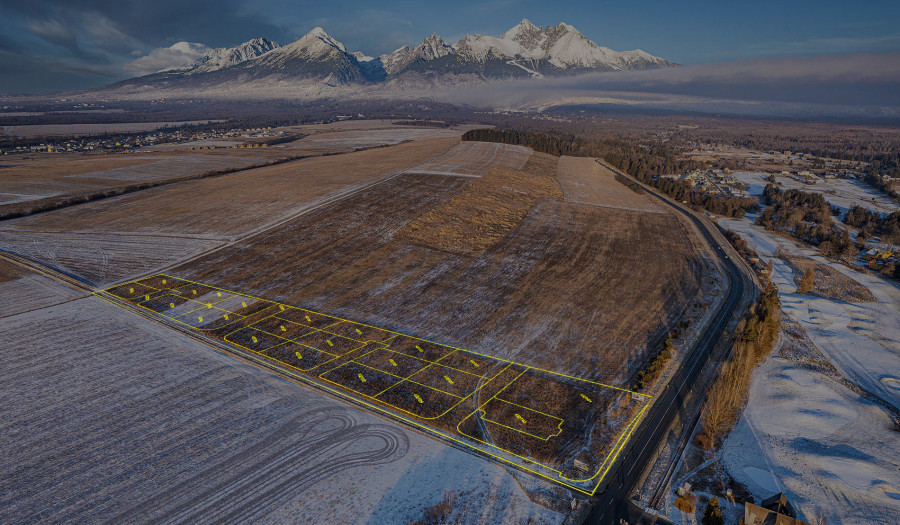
(569, 432)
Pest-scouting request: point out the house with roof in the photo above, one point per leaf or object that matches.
(776, 510)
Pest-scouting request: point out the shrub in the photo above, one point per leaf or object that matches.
(806, 284)
(684, 505)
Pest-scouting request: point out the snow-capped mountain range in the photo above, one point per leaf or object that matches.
(525, 50)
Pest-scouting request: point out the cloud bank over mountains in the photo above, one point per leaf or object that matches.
(179, 54)
(862, 84)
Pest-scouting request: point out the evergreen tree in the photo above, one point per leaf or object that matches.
(713, 514)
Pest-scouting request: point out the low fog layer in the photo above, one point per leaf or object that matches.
(859, 84)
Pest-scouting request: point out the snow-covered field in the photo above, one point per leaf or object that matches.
(842, 193)
(104, 258)
(168, 168)
(110, 417)
(834, 451)
(361, 139)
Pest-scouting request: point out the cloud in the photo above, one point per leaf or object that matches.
(858, 83)
(162, 58)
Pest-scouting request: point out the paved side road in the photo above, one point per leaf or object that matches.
(613, 504)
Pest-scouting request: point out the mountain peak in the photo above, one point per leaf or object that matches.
(316, 35)
(223, 57)
(522, 30)
(524, 50)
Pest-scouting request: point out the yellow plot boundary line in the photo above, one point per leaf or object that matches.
(558, 425)
(623, 436)
(274, 303)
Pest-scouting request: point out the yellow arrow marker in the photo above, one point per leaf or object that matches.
(253, 337)
(473, 363)
(329, 342)
(419, 399)
(308, 319)
(357, 331)
(244, 305)
(226, 317)
(200, 319)
(392, 362)
(361, 378)
(586, 398)
(521, 419)
(281, 306)
(448, 379)
(194, 291)
(171, 305)
(219, 294)
(419, 349)
(131, 290)
(283, 329)
(299, 356)
(164, 281)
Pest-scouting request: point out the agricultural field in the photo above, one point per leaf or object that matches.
(471, 290)
(540, 294)
(104, 258)
(554, 434)
(30, 181)
(344, 141)
(487, 209)
(21, 290)
(472, 159)
(586, 181)
(111, 417)
(237, 203)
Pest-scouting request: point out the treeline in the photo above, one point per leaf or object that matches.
(873, 223)
(808, 217)
(646, 163)
(727, 206)
(726, 398)
(423, 123)
(552, 145)
(881, 166)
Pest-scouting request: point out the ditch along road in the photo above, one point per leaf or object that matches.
(614, 503)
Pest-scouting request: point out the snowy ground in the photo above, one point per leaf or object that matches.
(110, 417)
(842, 193)
(804, 431)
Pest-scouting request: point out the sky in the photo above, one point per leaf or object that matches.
(55, 45)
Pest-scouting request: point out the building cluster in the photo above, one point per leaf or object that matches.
(132, 141)
(714, 181)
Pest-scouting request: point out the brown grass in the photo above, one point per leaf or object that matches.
(587, 182)
(9, 271)
(487, 209)
(828, 282)
(578, 289)
(472, 159)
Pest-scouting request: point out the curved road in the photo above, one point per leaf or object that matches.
(613, 505)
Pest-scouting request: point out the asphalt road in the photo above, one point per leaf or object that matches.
(613, 504)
